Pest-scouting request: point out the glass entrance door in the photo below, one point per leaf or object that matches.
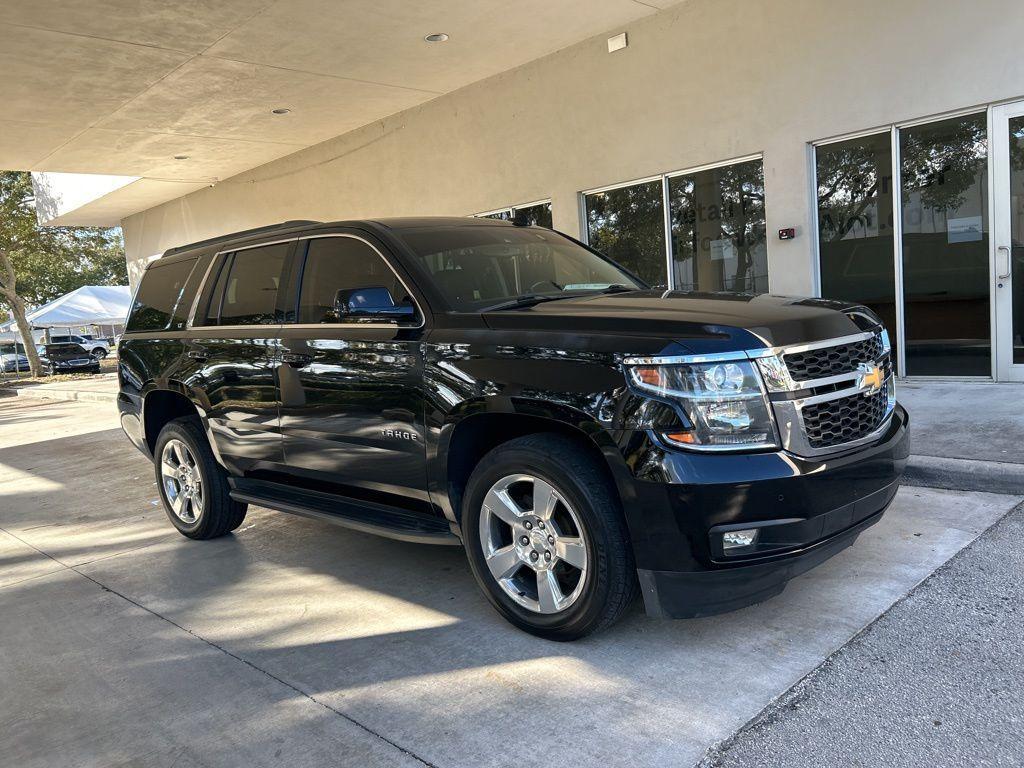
(1008, 209)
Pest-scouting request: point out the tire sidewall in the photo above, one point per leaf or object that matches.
(176, 431)
(588, 608)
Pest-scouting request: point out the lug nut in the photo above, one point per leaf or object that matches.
(547, 555)
(540, 524)
(528, 525)
(534, 556)
(524, 540)
(551, 539)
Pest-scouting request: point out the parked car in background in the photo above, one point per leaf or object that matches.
(66, 358)
(11, 360)
(510, 390)
(98, 348)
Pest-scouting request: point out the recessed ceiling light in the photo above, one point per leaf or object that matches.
(281, 111)
(436, 37)
(181, 157)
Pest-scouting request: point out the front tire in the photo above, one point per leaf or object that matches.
(193, 486)
(546, 538)
(99, 353)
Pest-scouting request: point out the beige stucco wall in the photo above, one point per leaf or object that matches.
(705, 81)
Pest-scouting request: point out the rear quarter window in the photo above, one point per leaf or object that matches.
(158, 295)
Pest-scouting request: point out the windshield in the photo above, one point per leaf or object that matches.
(475, 267)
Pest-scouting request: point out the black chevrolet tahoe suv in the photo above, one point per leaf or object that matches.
(506, 388)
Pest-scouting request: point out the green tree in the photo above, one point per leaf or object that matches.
(38, 264)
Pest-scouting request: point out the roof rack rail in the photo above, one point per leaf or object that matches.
(243, 233)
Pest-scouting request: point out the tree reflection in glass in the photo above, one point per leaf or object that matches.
(628, 225)
(944, 173)
(855, 224)
(718, 229)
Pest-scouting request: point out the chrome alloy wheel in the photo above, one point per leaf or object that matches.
(533, 543)
(183, 483)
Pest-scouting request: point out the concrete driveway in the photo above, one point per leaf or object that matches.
(294, 642)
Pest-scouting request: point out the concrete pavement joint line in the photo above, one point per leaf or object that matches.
(226, 652)
(772, 712)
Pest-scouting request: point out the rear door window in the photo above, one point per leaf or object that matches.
(247, 286)
(157, 296)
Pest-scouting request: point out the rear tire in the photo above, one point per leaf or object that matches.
(99, 353)
(590, 577)
(192, 485)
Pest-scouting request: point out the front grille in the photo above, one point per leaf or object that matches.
(831, 361)
(845, 419)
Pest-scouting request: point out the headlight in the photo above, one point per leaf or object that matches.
(723, 405)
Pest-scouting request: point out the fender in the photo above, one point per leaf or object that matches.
(196, 397)
(524, 415)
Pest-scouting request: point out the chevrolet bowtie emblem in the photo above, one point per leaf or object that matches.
(870, 378)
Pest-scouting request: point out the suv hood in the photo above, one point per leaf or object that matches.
(700, 322)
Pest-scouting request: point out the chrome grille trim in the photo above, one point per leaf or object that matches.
(789, 413)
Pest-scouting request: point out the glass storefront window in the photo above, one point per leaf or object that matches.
(944, 180)
(1017, 234)
(538, 214)
(855, 224)
(718, 229)
(627, 225)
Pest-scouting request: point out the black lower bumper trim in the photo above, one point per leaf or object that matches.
(687, 595)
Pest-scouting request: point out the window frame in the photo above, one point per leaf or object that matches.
(665, 203)
(300, 269)
(205, 294)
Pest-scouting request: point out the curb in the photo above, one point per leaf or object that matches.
(35, 393)
(965, 475)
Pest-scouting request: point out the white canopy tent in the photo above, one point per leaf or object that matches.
(85, 306)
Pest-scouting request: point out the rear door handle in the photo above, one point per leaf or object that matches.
(198, 354)
(296, 360)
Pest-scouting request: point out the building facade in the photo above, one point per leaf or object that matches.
(870, 151)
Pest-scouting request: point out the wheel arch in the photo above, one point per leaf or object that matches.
(163, 404)
(481, 426)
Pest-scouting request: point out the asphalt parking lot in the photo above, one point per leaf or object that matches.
(294, 642)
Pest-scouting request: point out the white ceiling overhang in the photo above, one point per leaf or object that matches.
(181, 94)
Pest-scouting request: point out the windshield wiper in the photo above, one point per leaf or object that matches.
(532, 299)
(525, 300)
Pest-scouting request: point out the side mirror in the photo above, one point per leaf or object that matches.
(371, 303)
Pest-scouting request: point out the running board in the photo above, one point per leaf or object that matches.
(364, 516)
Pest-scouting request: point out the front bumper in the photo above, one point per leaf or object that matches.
(816, 508)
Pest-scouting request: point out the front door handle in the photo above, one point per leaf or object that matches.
(296, 360)
(1004, 272)
(198, 354)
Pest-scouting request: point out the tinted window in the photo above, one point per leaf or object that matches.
(628, 225)
(157, 296)
(477, 267)
(249, 287)
(336, 264)
(213, 297)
